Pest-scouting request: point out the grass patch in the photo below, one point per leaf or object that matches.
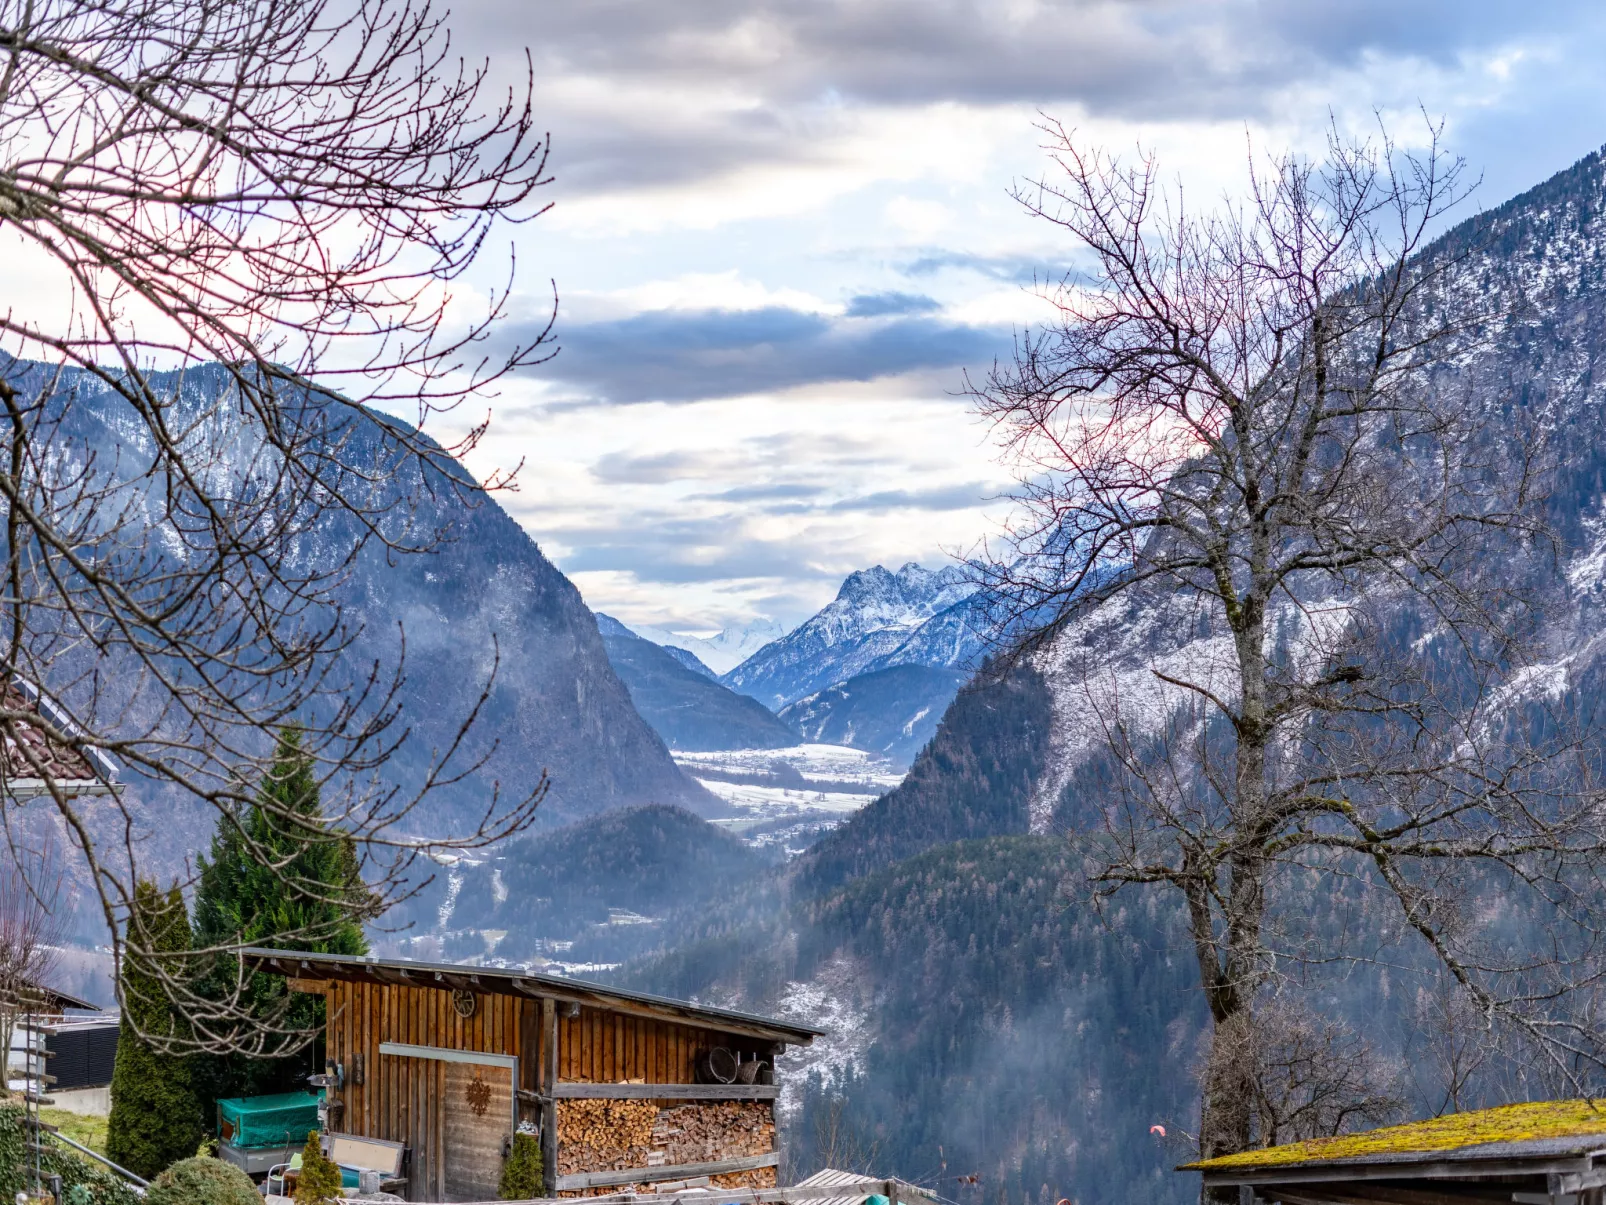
(87, 1131)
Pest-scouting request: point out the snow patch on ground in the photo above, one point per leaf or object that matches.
(821, 763)
(816, 786)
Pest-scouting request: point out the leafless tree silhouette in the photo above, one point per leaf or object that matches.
(248, 223)
(1240, 433)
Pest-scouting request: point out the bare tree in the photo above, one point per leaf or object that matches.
(250, 223)
(1240, 437)
(31, 929)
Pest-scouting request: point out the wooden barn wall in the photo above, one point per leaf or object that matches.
(601, 1047)
(397, 1098)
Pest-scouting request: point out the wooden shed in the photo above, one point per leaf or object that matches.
(623, 1088)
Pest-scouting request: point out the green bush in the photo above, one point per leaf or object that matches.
(521, 1174)
(201, 1181)
(319, 1181)
(83, 1182)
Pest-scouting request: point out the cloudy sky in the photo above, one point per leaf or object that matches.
(781, 232)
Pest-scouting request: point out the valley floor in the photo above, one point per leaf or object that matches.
(784, 799)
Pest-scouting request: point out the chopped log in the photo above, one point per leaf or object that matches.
(756, 1091)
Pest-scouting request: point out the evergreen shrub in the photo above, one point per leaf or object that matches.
(319, 1181)
(155, 1117)
(521, 1173)
(202, 1181)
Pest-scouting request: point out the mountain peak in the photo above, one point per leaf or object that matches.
(874, 612)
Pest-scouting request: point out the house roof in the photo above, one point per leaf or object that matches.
(25, 750)
(509, 982)
(49, 999)
(1520, 1137)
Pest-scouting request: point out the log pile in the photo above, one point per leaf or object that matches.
(704, 1133)
(761, 1177)
(604, 1135)
(616, 1135)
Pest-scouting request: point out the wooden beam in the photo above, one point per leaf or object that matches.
(549, 1106)
(679, 1171)
(907, 1193)
(1394, 1194)
(664, 1092)
(1578, 1166)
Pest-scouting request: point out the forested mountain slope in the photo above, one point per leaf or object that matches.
(983, 1022)
(975, 779)
(893, 712)
(690, 710)
(486, 607)
(602, 884)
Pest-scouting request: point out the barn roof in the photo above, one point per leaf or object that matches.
(510, 982)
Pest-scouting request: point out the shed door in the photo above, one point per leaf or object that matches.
(477, 1121)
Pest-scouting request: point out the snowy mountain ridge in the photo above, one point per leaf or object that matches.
(722, 651)
(872, 620)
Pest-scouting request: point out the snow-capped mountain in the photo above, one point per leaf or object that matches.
(870, 624)
(724, 650)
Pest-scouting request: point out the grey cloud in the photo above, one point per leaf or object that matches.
(878, 305)
(951, 497)
(1015, 271)
(690, 355)
(764, 493)
(1158, 60)
(622, 467)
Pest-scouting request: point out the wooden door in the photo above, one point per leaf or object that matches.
(476, 1111)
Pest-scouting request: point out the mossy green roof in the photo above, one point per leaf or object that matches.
(1544, 1119)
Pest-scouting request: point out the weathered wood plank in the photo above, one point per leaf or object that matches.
(748, 1196)
(565, 1091)
(682, 1171)
(549, 1109)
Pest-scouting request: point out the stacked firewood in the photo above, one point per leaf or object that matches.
(705, 1133)
(614, 1135)
(604, 1135)
(759, 1177)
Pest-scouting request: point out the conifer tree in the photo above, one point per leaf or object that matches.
(278, 874)
(155, 1116)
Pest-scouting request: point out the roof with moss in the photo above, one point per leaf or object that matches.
(1537, 1128)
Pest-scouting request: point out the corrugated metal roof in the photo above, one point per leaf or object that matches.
(857, 1187)
(524, 983)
